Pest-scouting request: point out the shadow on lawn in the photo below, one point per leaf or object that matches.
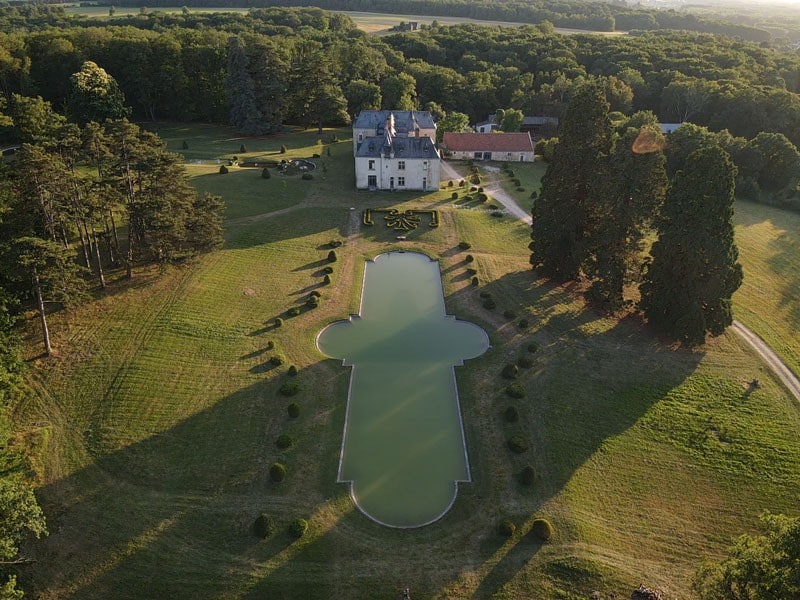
(170, 516)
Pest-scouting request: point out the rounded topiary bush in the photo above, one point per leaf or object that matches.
(533, 347)
(542, 529)
(332, 256)
(476, 179)
(276, 361)
(292, 371)
(328, 270)
(450, 183)
(265, 173)
(327, 280)
(510, 371)
(335, 243)
(525, 362)
(482, 197)
(475, 282)
(489, 304)
(264, 525)
(312, 301)
(534, 195)
(293, 312)
(293, 410)
(277, 472)
(298, 527)
(278, 322)
(523, 324)
(290, 388)
(223, 169)
(307, 176)
(518, 444)
(454, 196)
(469, 258)
(511, 414)
(464, 245)
(480, 189)
(515, 390)
(315, 294)
(509, 314)
(506, 528)
(471, 271)
(284, 441)
(270, 345)
(527, 476)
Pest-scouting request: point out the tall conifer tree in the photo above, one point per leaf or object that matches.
(694, 271)
(244, 113)
(561, 213)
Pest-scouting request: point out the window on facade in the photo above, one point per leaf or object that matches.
(401, 165)
(477, 155)
(360, 137)
(372, 165)
(401, 181)
(372, 181)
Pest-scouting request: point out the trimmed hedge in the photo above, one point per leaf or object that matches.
(284, 441)
(518, 444)
(293, 410)
(527, 476)
(515, 390)
(506, 528)
(542, 529)
(277, 472)
(264, 525)
(298, 527)
(511, 414)
(290, 388)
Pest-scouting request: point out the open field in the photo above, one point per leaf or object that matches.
(374, 23)
(153, 430)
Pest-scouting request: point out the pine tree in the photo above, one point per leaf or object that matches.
(268, 65)
(631, 191)
(694, 270)
(244, 114)
(563, 210)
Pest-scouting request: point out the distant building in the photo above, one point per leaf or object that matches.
(398, 154)
(486, 127)
(669, 127)
(539, 126)
(507, 147)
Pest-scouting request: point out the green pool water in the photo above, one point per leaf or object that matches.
(403, 449)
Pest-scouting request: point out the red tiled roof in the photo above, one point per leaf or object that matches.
(488, 142)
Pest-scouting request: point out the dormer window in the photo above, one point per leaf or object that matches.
(371, 165)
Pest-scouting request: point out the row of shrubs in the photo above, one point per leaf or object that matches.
(265, 526)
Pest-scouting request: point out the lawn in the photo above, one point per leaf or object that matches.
(153, 430)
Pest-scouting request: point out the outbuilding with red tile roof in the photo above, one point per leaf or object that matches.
(507, 147)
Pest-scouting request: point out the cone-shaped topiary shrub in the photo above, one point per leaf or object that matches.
(474, 282)
(283, 149)
(332, 256)
(185, 145)
(527, 475)
(242, 149)
(489, 304)
(283, 441)
(542, 529)
(525, 362)
(515, 390)
(506, 528)
(510, 371)
(278, 322)
(223, 169)
(518, 444)
(264, 525)
(293, 410)
(290, 388)
(327, 269)
(298, 527)
(464, 245)
(276, 361)
(469, 258)
(292, 371)
(533, 347)
(277, 472)
(327, 280)
(293, 312)
(511, 414)
(454, 196)
(523, 324)
(270, 345)
(265, 173)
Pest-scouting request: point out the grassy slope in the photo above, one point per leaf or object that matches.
(769, 300)
(155, 429)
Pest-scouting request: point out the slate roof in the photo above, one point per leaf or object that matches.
(403, 120)
(488, 142)
(413, 147)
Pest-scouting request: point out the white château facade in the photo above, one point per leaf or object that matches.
(396, 150)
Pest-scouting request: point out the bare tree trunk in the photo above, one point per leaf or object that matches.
(64, 239)
(48, 349)
(114, 231)
(97, 257)
(81, 229)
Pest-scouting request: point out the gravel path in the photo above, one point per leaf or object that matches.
(772, 360)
